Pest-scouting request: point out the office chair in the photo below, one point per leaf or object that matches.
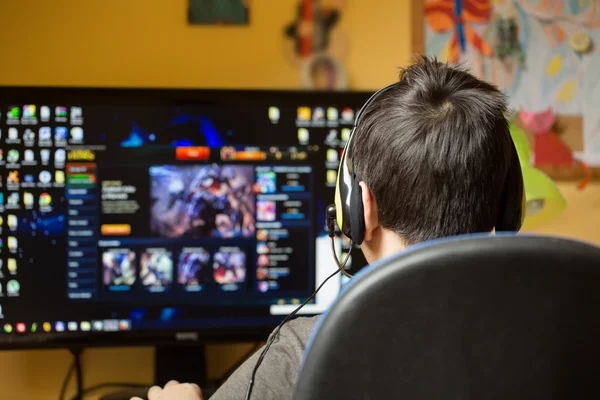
(470, 318)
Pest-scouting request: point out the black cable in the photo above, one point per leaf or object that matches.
(78, 373)
(63, 389)
(112, 385)
(341, 268)
(286, 319)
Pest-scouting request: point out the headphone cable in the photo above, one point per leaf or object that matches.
(341, 267)
(292, 314)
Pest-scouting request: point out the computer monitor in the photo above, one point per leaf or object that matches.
(145, 216)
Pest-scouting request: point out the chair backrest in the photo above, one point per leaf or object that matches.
(514, 317)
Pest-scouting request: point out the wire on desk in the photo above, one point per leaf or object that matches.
(63, 389)
(78, 372)
(74, 368)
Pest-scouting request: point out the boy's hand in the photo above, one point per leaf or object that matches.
(175, 391)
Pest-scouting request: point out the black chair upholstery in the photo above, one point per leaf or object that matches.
(514, 317)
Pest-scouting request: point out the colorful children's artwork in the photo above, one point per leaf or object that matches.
(315, 44)
(539, 52)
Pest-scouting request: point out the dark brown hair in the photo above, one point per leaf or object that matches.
(435, 151)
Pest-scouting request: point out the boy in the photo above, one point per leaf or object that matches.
(433, 155)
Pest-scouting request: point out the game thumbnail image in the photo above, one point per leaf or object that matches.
(229, 266)
(267, 182)
(119, 267)
(193, 267)
(266, 210)
(203, 201)
(156, 268)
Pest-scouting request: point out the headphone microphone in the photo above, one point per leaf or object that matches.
(331, 216)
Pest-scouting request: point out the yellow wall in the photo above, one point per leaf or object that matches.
(148, 43)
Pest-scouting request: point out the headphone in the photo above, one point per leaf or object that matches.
(348, 210)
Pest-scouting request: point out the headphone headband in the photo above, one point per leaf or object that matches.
(348, 210)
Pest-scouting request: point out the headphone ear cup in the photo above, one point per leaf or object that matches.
(357, 214)
(511, 210)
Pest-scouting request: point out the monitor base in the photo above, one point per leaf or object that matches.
(183, 363)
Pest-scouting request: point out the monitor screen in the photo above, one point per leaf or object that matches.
(146, 213)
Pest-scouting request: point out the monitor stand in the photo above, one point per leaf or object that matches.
(183, 363)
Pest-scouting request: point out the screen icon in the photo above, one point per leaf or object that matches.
(13, 112)
(60, 156)
(332, 156)
(13, 200)
(1, 313)
(47, 327)
(12, 221)
(29, 111)
(45, 200)
(345, 134)
(59, 326)
(29, 156)
(348, 115)
(28, 199)
(59, 177)
(76, 115)
(124, 325)
(304, 113)
(45, 113)
(85, 326)
(45, 134)
(77, 134)
(34, 327)
(331, 137)
(319, 114)
(28, 178)
(13, 177)
(13, 243)
(60, 134)
(45, 156)
(98, 326)
(8, 328)
(13, 134)
(45, 177)
(20, 327)
(61, 112)
(274, 114)
(303, 136)
(332, 114)
(13, 156)
(1, 155)
(13, 287)
(331, 177)
(12, 265)
(111, 325)
(29, 135)
(72, 326)
(1, 199)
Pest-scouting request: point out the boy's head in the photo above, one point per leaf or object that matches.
(432, 155)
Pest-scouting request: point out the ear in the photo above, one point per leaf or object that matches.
(370, 211)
